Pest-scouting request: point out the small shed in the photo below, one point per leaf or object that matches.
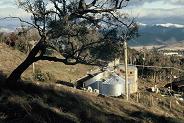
(176, 85)
(111, 83)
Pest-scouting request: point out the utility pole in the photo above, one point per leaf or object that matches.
(32, 43)
(126, 71)
(33, 68)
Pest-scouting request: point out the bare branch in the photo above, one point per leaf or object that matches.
(57, 7)
(92, 4)
(21, 20)
(55, 59)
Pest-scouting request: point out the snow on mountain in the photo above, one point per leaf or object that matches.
(158, 34)
(142, 24)
(171, 25)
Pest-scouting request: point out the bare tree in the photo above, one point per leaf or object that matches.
(74, 28)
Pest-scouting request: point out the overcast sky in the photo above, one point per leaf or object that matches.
(147, 11)
(157, 11)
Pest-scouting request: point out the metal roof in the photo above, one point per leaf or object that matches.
(129, 66)
(115, 79)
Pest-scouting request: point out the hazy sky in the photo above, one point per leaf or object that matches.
(147, 11)
(158, 11)
(9, 8)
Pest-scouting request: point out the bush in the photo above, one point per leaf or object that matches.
(39, 76)
(43, 77)
(50, 77)
(21, 46)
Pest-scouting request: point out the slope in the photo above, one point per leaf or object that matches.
(10, 58)
(55, 103)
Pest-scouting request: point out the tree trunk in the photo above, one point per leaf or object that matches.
(16, 74)
(12, 80)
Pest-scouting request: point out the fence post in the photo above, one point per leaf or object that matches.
(170, 105)
(151, 100)
(138, 96)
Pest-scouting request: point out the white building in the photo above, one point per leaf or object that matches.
(111, 83)
(171, 53)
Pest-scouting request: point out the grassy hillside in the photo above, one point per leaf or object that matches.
(10, 58)
(51, 104)
(55, 103)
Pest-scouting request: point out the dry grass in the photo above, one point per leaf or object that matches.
(65, 104)
(11, 58)
(48, 103)
(167, 105)
(60, 71)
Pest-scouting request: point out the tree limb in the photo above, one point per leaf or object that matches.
(21, 20)
(92, 4)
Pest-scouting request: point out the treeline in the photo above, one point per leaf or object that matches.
(21, 39)
(161, 63)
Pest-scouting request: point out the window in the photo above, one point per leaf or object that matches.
(122, 71)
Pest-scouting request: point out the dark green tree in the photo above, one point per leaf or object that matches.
(74, 29)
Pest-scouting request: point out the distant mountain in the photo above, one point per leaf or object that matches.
(9, 25)
(171, 25)
(158, 34)
(2, 29)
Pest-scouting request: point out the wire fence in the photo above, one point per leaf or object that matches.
(167, 103)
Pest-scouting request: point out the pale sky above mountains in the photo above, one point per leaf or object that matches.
(10, 8)
(147, 11)
(158, 11)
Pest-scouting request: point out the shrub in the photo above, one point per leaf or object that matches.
(42, 76)
(21, 46)
(50, 77)
(39, 76)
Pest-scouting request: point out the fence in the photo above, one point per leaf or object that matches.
(158, 101)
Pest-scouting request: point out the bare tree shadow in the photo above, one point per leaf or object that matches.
(65, 83)
(150, 117)
(74, 108)
(2, 78)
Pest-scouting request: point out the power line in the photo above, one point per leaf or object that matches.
(160, 67)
